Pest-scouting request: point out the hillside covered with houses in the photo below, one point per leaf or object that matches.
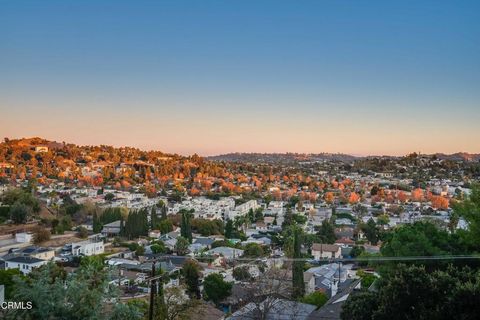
(223, 238)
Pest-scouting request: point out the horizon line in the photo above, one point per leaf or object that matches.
(146, 149)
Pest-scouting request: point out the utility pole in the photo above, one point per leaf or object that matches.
(152, 292)
(153, 289)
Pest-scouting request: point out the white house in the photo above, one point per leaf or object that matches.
(24, 264)
(23, 237)
(88, 247)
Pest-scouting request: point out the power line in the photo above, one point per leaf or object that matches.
(358, 259)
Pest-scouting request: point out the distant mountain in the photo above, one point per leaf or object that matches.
(459, 156)
(298, 157)
(282, 157)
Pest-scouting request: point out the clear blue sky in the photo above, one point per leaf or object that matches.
(362, 77)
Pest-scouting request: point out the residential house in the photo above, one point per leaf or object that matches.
(333, 308)
(309, 280)
(345, 242)
(111, 229)
(89, 247)
(260, 226)
(37, 252)
(226, 252)
(24, 263)
(280, 309)
(326, 251)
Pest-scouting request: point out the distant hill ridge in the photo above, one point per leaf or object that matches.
(278, 157)
(256, 156)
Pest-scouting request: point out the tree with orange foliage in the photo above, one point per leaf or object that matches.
(417, 195)
(402, 197)
(329, 197)
(194, 191)
(439, 202)
(334, 184)
(277, 195)
(353, 198)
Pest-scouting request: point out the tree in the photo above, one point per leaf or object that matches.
(367, 278)
(215, 288)
(360, 306)
(253, 250)
(371, 231)
(16, 195)
(56, 295)
(297, 277)
(181, 246)
(383, 220)
(185, 227)
(317, 298)
(356, 251)
(191, 273)
(412, 292)
(165, 226)
(137, 224)
(470, 210)
(7, 279)
(420, 239)
(19, 212)
(109, 197)
(329, 197)
(176, 303)
(326, 232)
(154, 221)
(97, 225)
(259, 214)
(40, 235)
(158, 247)
(163, 208)
(229, 229)
(242, 273)
(82, 232)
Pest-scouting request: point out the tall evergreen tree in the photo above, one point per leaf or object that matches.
(153, 218)
(137, 224)
(191, 272)
(97, 225)
(122, 227)
(185, 227)
(163, 209)
(229, 229)
(297, 277)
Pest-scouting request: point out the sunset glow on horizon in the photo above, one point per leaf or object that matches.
(187, 77)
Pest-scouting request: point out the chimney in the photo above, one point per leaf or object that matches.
(334, 287)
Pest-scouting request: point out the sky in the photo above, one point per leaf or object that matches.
(211, 77)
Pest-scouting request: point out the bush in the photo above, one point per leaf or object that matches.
(40, 235)
(19, 212)
(241, 273)
(82, 232)
(316, 298)
(5, 212)
(253, 250)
